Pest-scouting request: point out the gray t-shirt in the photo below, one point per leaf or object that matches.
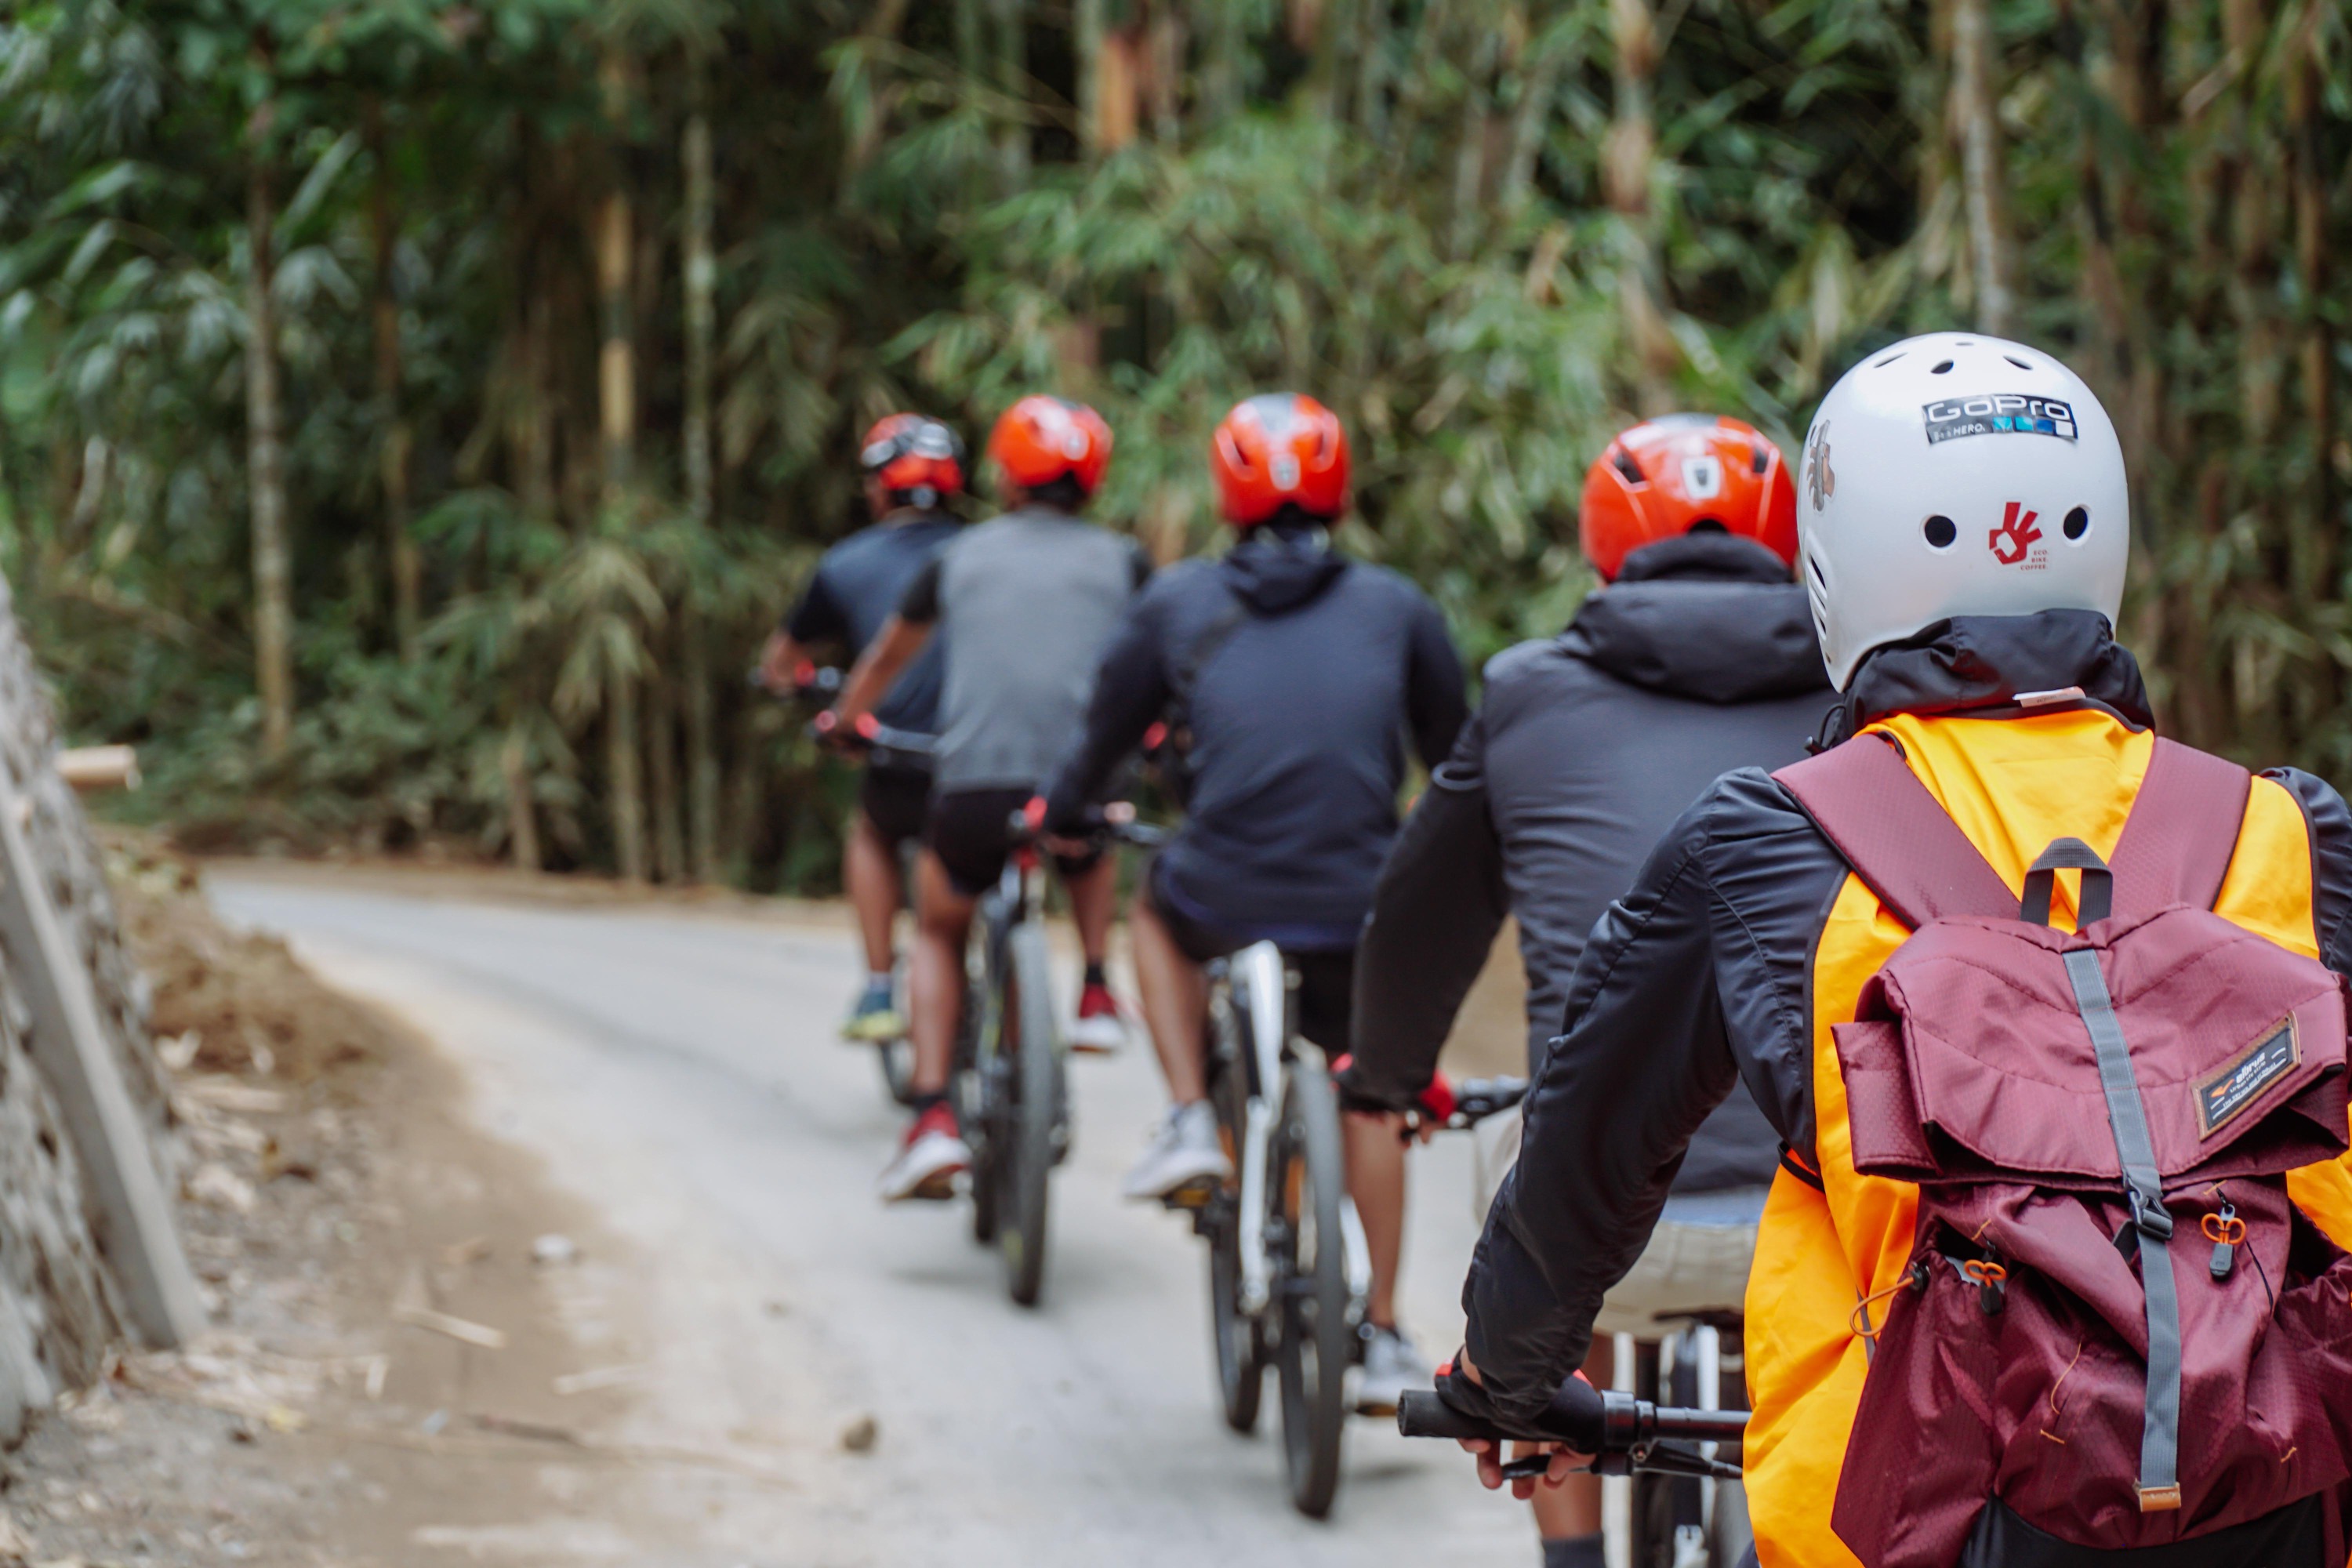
(1026, 603)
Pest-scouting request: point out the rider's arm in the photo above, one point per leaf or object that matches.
(1440, 899)
(1435, 706)
(1130, 691)
(1712, 945)
(816, 617)
(894, 647)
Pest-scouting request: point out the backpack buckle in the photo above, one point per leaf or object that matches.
(2149, 1216)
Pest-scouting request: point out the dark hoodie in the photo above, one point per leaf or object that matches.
(1701, 658)
(1299, 674)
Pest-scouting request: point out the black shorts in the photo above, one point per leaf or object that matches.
(897, 801)
(967, 831)
(1327, 980)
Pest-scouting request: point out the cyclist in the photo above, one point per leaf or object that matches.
(1292, 675)
(1696, 657)
(1964, 522)
(1023, 604)
(911, 464)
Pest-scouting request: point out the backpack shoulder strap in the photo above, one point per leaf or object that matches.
(1899, 840)
(2182, 832)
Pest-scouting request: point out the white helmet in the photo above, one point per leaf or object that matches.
(1954, 474)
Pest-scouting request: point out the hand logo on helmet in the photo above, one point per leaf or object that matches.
(1819, 478)
(2016, 535)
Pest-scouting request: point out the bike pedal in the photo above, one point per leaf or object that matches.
(1192, 1197)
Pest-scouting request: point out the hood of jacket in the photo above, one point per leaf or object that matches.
(1706, 617)
(1274, 570)
(1982, 664)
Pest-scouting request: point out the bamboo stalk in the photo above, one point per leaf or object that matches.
(273, 610)
(700, 292)
(1974, 107)
(396, 438)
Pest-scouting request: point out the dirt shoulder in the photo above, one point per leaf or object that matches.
(408, 1321)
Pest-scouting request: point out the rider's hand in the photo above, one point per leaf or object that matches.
(776, 673)
(1042, 823)
(834, 733)
(1565, 1462)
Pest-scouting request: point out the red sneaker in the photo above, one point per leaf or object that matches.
(931, 1156)
(1099, 1029)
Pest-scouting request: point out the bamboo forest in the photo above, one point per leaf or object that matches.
(414, 414)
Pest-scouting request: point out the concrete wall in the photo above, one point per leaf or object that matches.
(60, 1304)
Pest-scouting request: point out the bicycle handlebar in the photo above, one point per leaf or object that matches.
(822, 684)
(1622, 1433)
(1114, 821)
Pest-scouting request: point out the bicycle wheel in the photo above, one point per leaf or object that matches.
(978, 1109)
(1239, 1336)
(1311, 1288)
(898, 1058)
(1030, 1047)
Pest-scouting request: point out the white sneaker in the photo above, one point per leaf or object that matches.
(1097, 1029)
(1392, 1363)
(930, 1158)
(1186, 1149)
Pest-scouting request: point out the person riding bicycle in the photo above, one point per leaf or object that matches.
(1023, 604)
(1964, 533)
(1697, 655)
(1290, 676)
(912, 464)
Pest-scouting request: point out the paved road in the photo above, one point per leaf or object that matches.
(678, 1072)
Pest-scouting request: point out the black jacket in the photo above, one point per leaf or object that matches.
(1697, 981)
(1701, 659)
(1300, 674)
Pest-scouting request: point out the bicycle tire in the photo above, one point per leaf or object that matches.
(1240, 1337)
(1315, 1349)
(980, 1114)
(1032, 1114)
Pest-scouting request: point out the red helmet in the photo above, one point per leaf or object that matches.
(910, 454)
(1277, 449)
(1040, 440)
(1684, 472)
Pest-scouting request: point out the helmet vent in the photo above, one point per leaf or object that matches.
(1759, 459)
(1890, 358)
(1813, 565)
(1943, 369)
(1940, 532)
(2077, 523)
(1625, 465)
(2017, 362)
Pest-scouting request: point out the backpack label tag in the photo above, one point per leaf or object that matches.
(2224, 1093)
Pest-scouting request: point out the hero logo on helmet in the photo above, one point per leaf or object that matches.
(2013, 541)
(1821, 481)
(1702, 477)
(1998, 414)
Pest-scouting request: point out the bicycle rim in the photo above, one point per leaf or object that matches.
(1032, 1040)
(1312, 1289)
(978, 1110)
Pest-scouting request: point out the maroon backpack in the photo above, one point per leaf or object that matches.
(2114, 1320)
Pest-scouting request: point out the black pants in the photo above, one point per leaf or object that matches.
(1326, 981)
(967, 832)
(2294, 1537)
(897, 801)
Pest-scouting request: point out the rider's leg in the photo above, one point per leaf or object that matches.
(936, 977)
(1568, 1516)
(1376, 1181)
(1175, 1001)
(1094, 901)
(871, 871)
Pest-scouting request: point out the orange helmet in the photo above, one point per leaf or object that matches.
(1040, 440)
(1684, 472)
(1277, 449)
(910, 455)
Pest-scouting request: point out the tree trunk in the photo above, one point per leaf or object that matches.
(522, 812)
(273, 609)
(661, 751)
(1013, 81)
(1626, 178)
(394, 433)
(1976, 125)
(622, 749)
(617, 363)
(701, 287)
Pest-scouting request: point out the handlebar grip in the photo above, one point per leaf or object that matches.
(1421, 1414)
(1579, 1415)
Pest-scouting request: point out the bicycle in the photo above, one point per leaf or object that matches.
(1011, 1085)
(1288, 1269)
(876, 744)
(1623, 1434)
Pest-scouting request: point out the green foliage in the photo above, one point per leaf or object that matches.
(1488, 232)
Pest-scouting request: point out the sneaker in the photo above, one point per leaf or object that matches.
(1392, 1363)
(1098, 1029)
(875, 1019)
(1184, 1149)
(932, 1156)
